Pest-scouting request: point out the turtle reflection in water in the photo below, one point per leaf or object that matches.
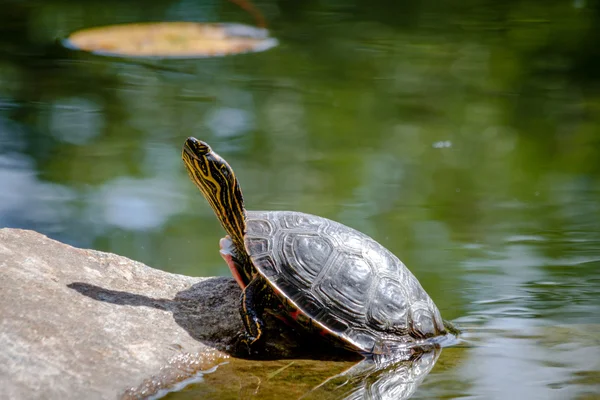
(327, 277)
(373, 378)
(379, 378)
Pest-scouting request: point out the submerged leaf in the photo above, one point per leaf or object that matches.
(171, 39)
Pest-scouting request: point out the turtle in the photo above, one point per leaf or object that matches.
(327, 277)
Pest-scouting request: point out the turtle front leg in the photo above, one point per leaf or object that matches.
(255, 297)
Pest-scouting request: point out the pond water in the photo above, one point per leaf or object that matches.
(463, 136)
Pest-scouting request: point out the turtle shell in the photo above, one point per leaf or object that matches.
(340, 281)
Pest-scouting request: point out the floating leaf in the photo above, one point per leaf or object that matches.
(171, 39)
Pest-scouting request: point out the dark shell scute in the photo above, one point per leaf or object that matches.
(389, 307)
(422, 320)
(332, 322)
(309, 305)
(300, 220)
(257, 245)
(347, 285)
(260, 227)
(385, 262)
(305, 255)
(268, 265)
(351, 240)
(363, 339)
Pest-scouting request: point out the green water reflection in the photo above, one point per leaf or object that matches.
(464, 136)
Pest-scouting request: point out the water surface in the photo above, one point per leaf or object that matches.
(463, 136)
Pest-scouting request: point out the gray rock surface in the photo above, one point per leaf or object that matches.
(82, 324)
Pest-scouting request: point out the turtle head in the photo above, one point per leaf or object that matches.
(217, 182)
(196, 148)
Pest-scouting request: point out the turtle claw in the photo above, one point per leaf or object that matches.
(246, 346)
(242, 346)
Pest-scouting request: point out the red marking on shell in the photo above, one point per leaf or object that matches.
(324, 333)
(295, 314)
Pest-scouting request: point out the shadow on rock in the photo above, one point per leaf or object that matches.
(208, 311)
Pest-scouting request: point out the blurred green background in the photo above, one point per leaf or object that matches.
(462, 135)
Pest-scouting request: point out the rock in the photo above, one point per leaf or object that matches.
(85, 324)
